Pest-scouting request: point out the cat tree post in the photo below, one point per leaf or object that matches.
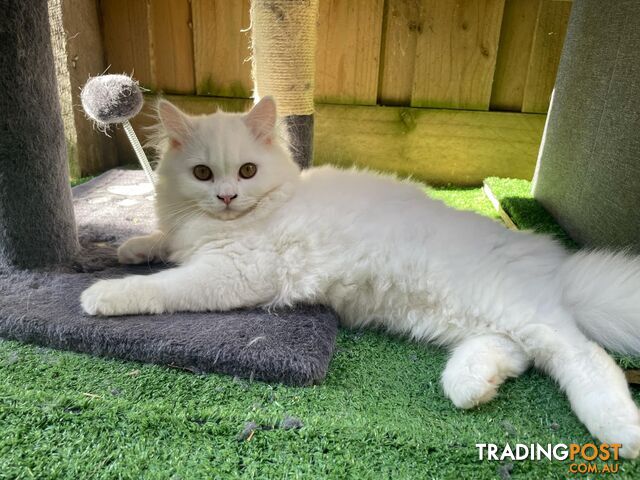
(283, 39)
(37, 226)
(588, 173)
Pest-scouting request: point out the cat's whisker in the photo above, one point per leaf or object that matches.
(180, 202)
(176, 208)
(177, 212)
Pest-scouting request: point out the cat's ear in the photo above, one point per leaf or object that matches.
(177, 125)
(261, 120)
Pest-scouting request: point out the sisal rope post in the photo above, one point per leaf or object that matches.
(283, 40)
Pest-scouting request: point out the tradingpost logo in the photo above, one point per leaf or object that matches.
(583, 457)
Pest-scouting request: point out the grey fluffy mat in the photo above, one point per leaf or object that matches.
(292, 346)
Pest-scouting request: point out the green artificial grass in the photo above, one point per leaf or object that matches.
(517, 201)
(381, 413)
(80, 180)
(472, 199)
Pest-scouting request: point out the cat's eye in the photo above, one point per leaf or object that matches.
(248, 170)
(202, 172)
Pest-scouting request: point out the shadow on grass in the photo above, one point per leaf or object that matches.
(528, 214)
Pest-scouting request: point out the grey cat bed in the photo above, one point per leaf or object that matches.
(292, 346)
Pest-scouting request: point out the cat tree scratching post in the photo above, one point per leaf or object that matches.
(284, 44)
(37, 226)
(588, 173)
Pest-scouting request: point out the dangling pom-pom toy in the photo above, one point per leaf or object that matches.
(112, 99)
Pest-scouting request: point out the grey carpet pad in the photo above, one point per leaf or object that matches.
(292, 346)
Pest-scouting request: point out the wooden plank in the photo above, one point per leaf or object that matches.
(632, 376)
(172, 46)
(551, 29)
(79, 54)
(486, 188)
(348, 51)
(127, 40)
(222, 48)
(401, 28)
(514, 51)
(437, 146)
(456, 53)
(61, 63)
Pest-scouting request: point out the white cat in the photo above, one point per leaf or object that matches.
(247, 228)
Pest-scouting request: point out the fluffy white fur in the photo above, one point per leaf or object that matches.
(380, 252)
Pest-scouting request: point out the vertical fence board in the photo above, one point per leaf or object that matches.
(79, 53)
(456, 53)
(126, 39)
(348, 51)
(427, 53)
(172, 45)
(514, 51)
(551, 29)
(401, 28)
(221, 48)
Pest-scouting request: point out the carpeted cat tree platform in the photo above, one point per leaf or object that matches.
(45, 262)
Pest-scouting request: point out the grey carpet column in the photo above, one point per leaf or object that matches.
(588, 173)
(37, 226)
(300, 129)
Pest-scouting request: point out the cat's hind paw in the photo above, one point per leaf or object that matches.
(615, 419)
(629, 437)
(622, 426)
(468, 389)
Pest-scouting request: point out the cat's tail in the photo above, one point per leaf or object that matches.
(602, 290)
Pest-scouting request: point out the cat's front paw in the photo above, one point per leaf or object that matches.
(103, 298)
(136, 250)
(118, 297)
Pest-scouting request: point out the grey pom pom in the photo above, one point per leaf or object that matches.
(111, 99)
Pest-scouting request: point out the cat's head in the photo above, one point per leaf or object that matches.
(226, 164)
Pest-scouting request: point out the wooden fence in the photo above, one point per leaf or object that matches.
(376, 61)
(460, 54)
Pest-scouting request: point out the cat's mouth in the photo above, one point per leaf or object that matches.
(228, 212)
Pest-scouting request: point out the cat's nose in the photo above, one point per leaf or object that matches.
(226, 198)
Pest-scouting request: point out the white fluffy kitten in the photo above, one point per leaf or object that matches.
(247, 228)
